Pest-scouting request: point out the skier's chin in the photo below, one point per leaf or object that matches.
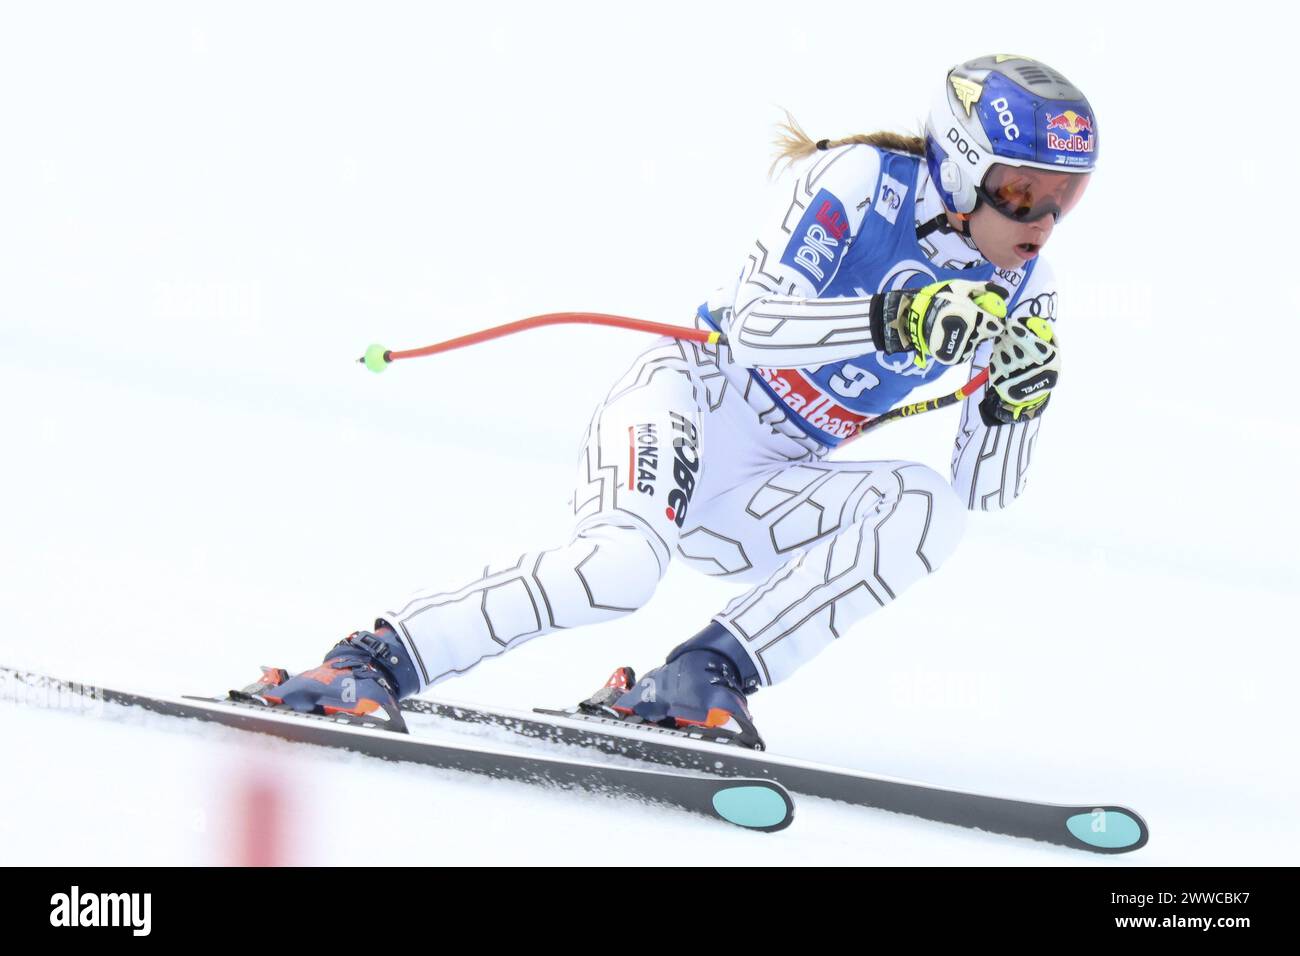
(1013, 258)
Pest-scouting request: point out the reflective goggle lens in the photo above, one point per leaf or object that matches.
(1026, 194)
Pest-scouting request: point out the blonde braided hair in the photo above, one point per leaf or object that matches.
(793, 143)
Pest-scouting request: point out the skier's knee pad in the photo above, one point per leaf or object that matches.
(944, 514)
(917, 512)
(618, 567)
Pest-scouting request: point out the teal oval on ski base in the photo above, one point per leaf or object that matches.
(1117, 831)
(757, 807)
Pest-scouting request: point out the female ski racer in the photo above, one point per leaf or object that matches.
(888, 259)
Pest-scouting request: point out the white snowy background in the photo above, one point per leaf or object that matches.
(207, 211)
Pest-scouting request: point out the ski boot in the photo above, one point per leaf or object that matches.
(700, 689)
(363, 677)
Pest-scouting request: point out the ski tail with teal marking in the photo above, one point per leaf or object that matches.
(763, 806)
(1108, 829)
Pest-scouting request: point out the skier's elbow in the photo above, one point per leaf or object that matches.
(744, 354)
(740, 339)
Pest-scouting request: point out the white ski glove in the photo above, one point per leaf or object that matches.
(945, 320)
(1023, 369)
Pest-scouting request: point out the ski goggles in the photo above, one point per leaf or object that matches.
(1026, 194)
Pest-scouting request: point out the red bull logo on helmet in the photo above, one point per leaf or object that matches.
(1070, 121)
(1070, 132)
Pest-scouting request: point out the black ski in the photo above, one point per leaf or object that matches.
(755, 804)
(1096, 828)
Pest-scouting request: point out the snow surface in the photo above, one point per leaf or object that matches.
(207, 212)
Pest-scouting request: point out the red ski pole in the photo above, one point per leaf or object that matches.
(378, 358)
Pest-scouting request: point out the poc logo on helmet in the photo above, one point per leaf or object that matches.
(1009, 128)
(966, 149)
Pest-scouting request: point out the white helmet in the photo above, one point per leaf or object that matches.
(996, 121)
